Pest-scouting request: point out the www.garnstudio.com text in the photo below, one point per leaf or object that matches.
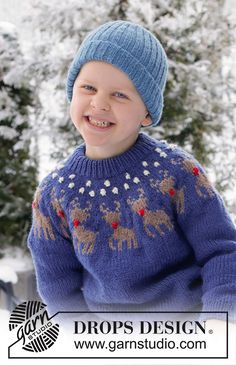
(146, 344)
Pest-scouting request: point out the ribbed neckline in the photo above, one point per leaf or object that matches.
(84, 166)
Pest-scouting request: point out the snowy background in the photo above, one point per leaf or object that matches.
(16, 12)
(16, 265)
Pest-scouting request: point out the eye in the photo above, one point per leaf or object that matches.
(120, 95)
(88, 87)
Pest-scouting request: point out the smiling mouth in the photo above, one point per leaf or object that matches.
(99, 123)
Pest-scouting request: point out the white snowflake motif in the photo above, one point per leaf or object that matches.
(163, 154)
(61, 179)
(127, 176)
(144, 163)
(81, 190)
(92, 193)
(115, 190)
(136, 180)
(156, 164)
(146, 172)
(107, 183)
(103, 192)
(172, 146)
(126, 186)
(88, 183)
(163, 141)
(72, 176)
(60, 166)
(71, 185)
(54, 175)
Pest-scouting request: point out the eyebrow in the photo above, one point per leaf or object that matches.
(123, 88)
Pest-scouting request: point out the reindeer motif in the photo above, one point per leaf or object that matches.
(41, 221)
(56, 204)
(150, 218)
(83, 235)
(121, 234)
(202, 181)
(166, 186)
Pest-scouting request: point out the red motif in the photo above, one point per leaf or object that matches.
(33, 205)
(172, 192)
(141, 212)
(114, 225)
(60, 213)
(76, 222)
(195, 171)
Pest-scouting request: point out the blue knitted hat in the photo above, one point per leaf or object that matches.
(135, 51)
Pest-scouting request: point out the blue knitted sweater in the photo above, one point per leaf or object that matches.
(144, 230)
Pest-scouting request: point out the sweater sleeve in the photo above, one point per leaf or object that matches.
(210, 231)
(59, 274)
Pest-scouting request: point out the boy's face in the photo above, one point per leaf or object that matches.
(107, 110)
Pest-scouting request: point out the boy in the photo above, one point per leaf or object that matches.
(128, 222)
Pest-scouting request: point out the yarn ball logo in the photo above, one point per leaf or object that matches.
(34, 328)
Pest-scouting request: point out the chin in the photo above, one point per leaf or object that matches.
(94, 141)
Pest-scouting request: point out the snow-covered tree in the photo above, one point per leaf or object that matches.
(59, 28)
(199, 108)
(17, 169)
(197, 36)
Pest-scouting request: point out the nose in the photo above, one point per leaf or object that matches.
(99, 102)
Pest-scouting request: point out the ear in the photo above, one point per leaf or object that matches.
(147, 121)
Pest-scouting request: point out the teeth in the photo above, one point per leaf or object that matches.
(99, 123)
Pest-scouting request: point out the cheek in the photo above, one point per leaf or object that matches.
(75, 116)
(134, 114)
(74, 110)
